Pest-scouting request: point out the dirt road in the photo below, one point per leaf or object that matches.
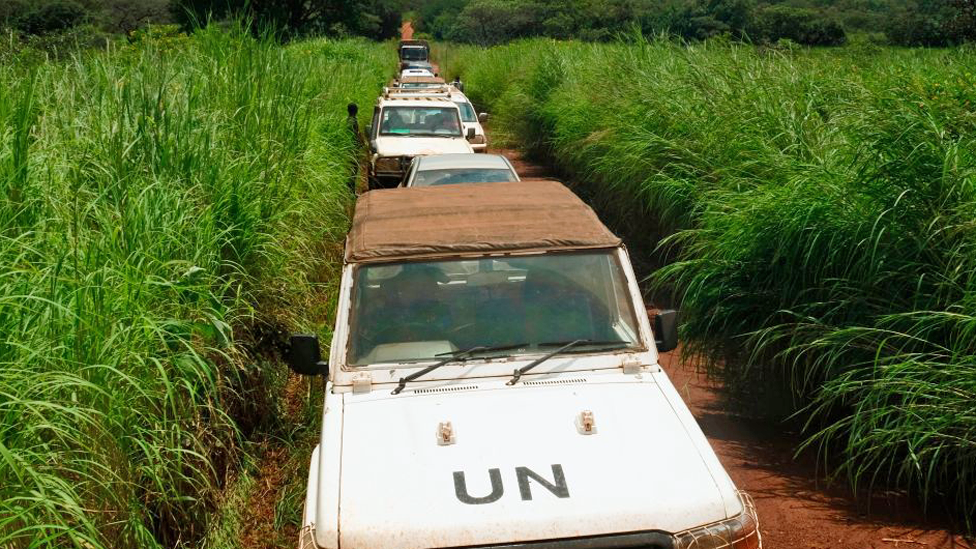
(795, 509)
(406, 30)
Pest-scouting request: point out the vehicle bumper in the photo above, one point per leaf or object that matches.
(738, 532)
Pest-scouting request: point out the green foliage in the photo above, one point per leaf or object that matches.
(922, 23)
(294, 18)
(814, 210)
(802, 26)
(48, 17)
(166, 210)
(809, 22)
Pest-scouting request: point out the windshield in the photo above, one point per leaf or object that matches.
(440, 121)
(428, 178)
(413, 53)
(418, 311)
(467, 112)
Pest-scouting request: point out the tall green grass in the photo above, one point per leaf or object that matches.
(165, 210)
(815, 212)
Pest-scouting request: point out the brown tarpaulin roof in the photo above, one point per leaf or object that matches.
(450, 220)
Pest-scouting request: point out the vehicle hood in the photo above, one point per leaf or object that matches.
(416, 146)
(640, 470)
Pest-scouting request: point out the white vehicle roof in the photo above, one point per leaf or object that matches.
(416, 72)
(469, 160)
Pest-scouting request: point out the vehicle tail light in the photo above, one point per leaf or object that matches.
(738, 532)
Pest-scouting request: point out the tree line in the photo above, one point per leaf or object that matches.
(377, 19)
(486, 22)
(812, 22)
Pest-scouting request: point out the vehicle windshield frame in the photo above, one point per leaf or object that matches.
(638, 342)
(453, 110)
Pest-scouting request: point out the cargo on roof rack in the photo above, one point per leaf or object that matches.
(429, 222)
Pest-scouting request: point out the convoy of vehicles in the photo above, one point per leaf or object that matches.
(449, 169)
(493, 369)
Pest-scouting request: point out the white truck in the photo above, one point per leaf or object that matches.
(405, 127)
(493, 381)
(469, 118)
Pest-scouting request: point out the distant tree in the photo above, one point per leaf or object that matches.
(52, 16)
(963, 23)
(489, 22)
(292, 18)
(737, 15)
(803, 26)
(922, 23)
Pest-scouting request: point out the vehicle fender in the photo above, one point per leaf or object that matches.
(307, 533)
(730, 497)
(324, 513)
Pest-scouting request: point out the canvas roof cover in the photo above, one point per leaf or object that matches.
(452, 220)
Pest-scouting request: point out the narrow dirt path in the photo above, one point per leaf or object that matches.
(796, 510)
(406, 30)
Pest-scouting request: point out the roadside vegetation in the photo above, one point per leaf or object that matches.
(813, 211)
(809, 22)
(167, 208)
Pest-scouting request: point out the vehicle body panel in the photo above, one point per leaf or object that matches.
(519, 463)
(394, 467)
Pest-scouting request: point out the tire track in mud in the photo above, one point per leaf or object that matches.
(797, 509)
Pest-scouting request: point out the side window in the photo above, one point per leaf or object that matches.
(376, 123)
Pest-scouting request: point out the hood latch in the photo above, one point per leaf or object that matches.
(585, 423)
(445, 434)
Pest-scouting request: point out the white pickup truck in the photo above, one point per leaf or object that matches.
(494, 382)
(405, 127)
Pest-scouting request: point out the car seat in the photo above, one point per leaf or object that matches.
(558, 309)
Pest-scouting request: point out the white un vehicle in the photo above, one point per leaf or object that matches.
(493, 382)
(405, 127)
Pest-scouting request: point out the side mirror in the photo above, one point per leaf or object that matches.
(666, 331)
(471, 133)
(483, 117)
(304, 357)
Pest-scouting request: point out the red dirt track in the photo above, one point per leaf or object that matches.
(797, 509)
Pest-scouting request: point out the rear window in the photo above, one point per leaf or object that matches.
(413, 53)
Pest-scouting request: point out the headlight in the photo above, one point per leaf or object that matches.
(388, 164)
(477, 140)
(738, 532)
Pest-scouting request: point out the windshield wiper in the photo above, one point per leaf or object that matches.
(454, 356)
(564, 346)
